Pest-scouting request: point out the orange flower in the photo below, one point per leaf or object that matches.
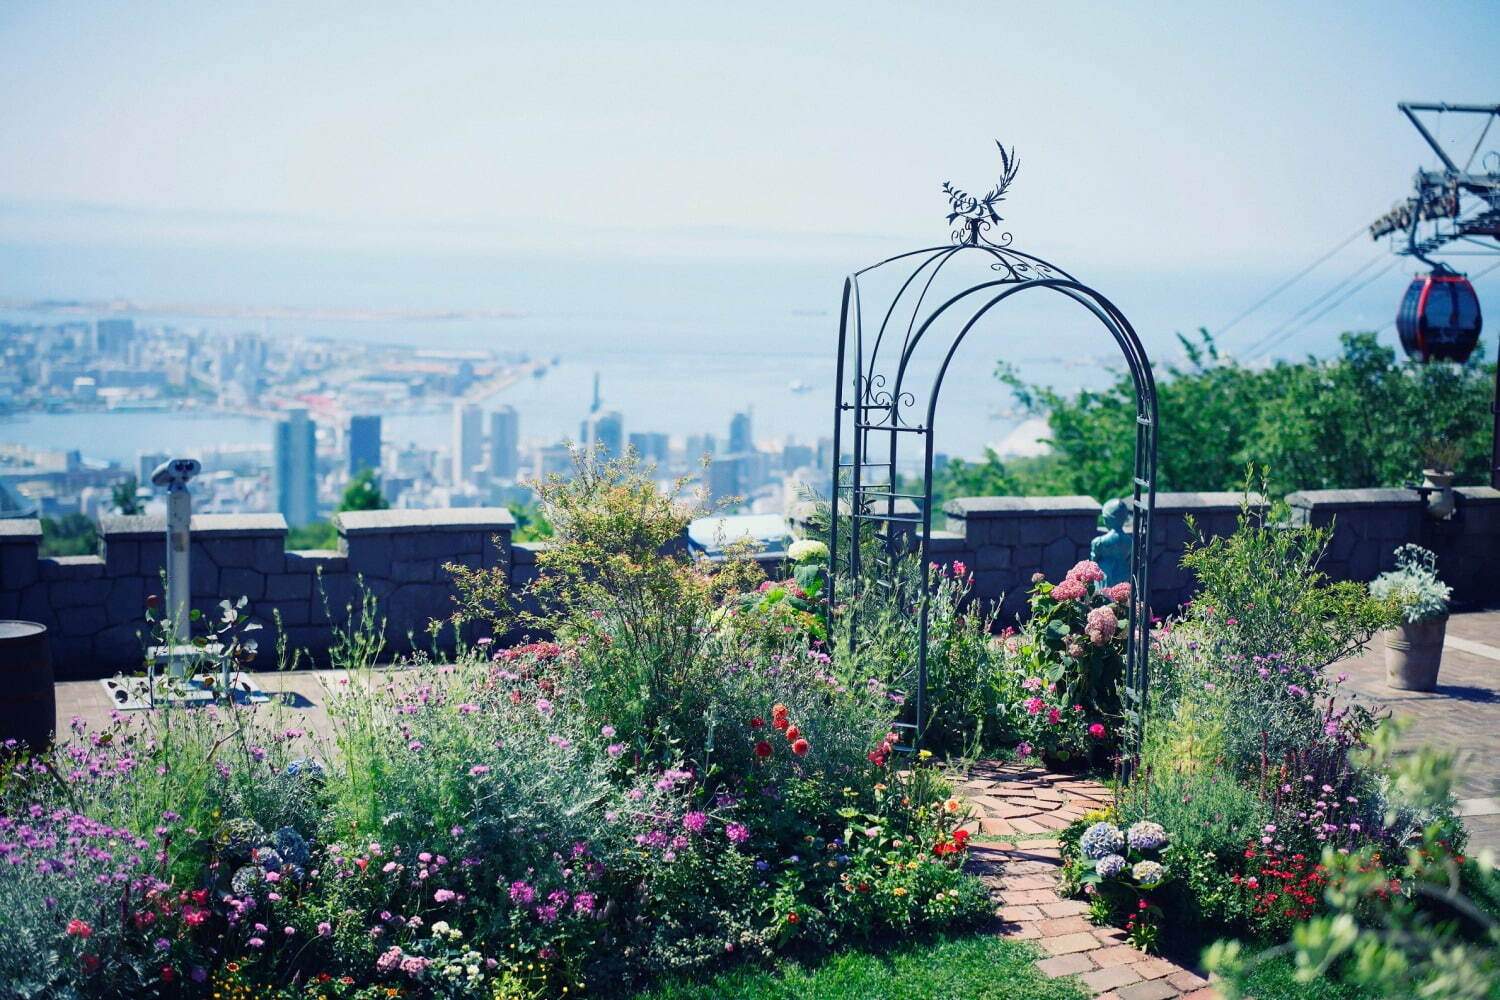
(951, 806)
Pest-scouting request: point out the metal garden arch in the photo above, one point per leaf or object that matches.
(875, 407)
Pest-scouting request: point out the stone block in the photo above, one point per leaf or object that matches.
(127, 599)
(414, 570)
(226, 551)
(205, 577)
(121, 643)
(10, 603)
(288, 586)
(238, 581)
(85, 620)
(78, 593)
(122, 556)
(71, 567)
(1059, 557)
(993, 557)
(36, 605)
(18, 564)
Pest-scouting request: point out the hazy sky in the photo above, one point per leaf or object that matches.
(1239, 134)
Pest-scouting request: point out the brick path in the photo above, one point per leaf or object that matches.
(1021, 804)
(1462, 715)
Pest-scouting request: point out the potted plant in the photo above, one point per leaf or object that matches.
(1414, 649)
(1439, 459)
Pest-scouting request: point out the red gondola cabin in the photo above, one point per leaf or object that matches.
(1439, 318)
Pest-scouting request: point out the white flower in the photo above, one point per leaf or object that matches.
(806, 550)
(440, 928)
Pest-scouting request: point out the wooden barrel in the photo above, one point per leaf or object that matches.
(28, 703)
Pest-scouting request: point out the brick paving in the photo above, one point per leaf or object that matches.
(1024, 806)
(1462, 715)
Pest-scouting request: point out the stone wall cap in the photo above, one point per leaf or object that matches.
(1471, 494)
(19, 529)
(123, 526)
(73, 560)
(1395, 497)
(1213, 498)
(1022, 506)
(389, 522)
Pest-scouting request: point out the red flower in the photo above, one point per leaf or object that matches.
(875, 757)
(778, 711)
(792, 918)
(762, 749)
(960, 837)
(792, 732)
(1054, 716)
(799, 748)
(79, 928)
(167, 975)
(1097, 730)
(757, 722)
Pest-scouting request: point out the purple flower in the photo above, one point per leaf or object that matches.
(521, 893)
(547, 913)
(737, 833)
(544, 706)
(615, 749)
(694, 822)
(325, 929)
(607, 732)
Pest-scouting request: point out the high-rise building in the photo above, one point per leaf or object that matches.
(468, 441)
(364, 443)
(651, 446)
(606, 432)
(739, 434)
(112, 337)
(505, 432)
(697, 446)
(296, 463)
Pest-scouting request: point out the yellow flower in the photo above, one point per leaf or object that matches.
(899, 891)
(924, 754)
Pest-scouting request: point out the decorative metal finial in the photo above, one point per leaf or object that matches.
(978, 214)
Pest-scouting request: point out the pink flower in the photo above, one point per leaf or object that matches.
(1053, 716)
(1023, 749)
(1069, 590)
(1086, 571)
(1097, 730)
(1101, 625)
(325, 929)
(444, 896)
(737, 833)
(1034, 705)
(479, 769)
(959, 569)
(1119, 593)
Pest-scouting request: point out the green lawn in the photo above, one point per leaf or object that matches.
(974, 967)
(1273, 981)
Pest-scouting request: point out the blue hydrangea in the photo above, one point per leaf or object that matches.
(291, 845)
(1148, 874)
(1101, 839)
(247, 880)
(1146, 836)
(1109, 866)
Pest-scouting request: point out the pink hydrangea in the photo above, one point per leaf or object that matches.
(1086, 571)
(1119, 593)
(1069, 590)
(1101, 626)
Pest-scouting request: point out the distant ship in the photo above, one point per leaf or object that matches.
(797, 385)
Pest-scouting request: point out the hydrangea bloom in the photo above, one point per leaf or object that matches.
(1069, 590)
(1101, 839)
(1146, 836)
(1086, 571)
(1110, 865)
(806, 550)
(1148, 874)
(1101, 625)
(1119, 593)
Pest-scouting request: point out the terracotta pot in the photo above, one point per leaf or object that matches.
(1413, 653)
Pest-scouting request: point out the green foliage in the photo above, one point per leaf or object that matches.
(978, 967)
(363, 493)
(318, 535)
(1360, 419)
(1265, 577)
(1427, 939)
(531, 522)
(1414, 585)
(69, 535)
(122, 496)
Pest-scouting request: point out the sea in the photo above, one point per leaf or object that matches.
(679, 343)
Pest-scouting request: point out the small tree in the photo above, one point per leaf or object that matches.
(123, 498)
(363, 493)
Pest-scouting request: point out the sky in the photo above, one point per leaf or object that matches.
(1198, 136)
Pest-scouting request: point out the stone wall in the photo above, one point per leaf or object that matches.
(93, 605)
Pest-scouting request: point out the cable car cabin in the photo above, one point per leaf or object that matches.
(1439, 318)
